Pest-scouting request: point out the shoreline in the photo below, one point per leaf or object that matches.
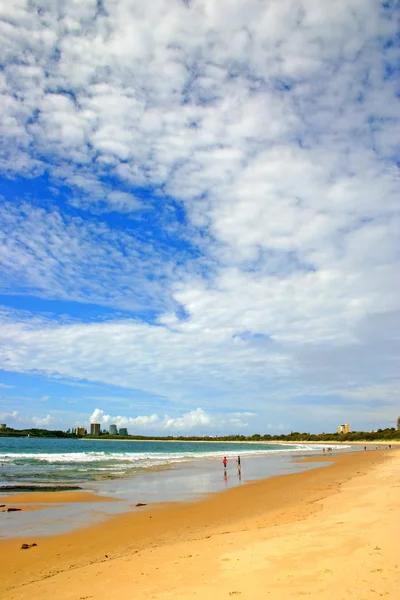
(132, 538)
(48, 497)
(177, 482)
(271, 442)
(211, 441)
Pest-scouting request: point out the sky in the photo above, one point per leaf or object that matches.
(199, 215)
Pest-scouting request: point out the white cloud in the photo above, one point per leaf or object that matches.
(277, 428)
(123, 201)
(196, 420)
(99, 416)
(215, 90)
(274, 125)
(388, 393)
(45, 253)
(45, 422)
(17, 420)
(197, 362)
(186, 361)
(14, 416)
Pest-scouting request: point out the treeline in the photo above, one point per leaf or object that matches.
(295, 436)
(35, 432)
(389, 433)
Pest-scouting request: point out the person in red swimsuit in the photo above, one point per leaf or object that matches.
(225, 462)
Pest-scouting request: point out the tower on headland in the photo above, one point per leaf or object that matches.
(344, 428)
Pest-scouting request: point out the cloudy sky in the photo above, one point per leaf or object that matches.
(199, 215)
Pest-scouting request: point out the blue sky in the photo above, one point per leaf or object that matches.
(199, 215)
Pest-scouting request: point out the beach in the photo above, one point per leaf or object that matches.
(328, 533)
(132, 473)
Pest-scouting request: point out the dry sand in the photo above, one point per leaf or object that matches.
(330, 533)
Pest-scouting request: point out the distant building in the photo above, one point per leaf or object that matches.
(343, 428)
(3, 426)
(80, 431)
(123, 431)
(113, 430)
(95, 429)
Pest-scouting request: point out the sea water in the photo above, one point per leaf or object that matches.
(133, 472)
(76, 461)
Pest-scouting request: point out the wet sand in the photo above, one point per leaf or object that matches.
(181, 482)
(52, 498)
(328, 533)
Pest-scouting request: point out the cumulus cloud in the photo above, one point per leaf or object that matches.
(45, 422)
(196, 420)
(18, 420)
(7, 417)
(99, 416)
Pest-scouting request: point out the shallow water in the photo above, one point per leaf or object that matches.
(75, 461)
(187, 482)
(133, 472)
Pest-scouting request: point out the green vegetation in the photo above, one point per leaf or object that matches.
(384, 435)
(34, 432)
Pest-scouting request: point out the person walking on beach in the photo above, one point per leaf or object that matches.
(238, 462)
(225, 460)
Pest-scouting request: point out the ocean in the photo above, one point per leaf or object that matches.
(131, 473)
(68, 461)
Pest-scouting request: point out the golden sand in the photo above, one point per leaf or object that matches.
(329, 533)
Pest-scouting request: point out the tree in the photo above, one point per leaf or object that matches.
(398, 422)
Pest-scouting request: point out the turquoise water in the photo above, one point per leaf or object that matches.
(131, 472)
(42, 461)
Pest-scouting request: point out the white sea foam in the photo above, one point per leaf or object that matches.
(151, 459)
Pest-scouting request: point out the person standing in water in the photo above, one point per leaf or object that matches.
(239, 468)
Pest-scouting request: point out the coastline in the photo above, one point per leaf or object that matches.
(267, 442)
(187, 481)
(25, 498)
(141, 550)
